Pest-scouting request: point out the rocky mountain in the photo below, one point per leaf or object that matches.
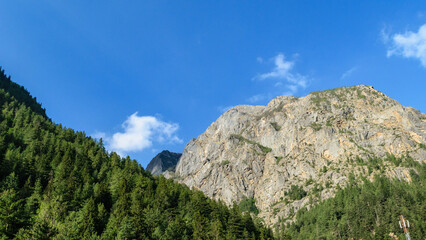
(58, 183)
(297, 151)
(164, 161)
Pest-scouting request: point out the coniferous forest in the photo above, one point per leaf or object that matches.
(57, 183)
(366, 210)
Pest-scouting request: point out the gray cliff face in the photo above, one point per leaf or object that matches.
(164, 161)
(261, 151)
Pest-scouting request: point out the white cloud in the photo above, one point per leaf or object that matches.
(299, 80)
(348, 73)
(282, 73)
(409, 45)
(139, 133)
(281, 69)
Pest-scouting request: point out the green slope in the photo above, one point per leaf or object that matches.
(20, 93)
(56, 183)
(367, 210)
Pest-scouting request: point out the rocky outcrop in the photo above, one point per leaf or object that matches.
(315, 142)
(164, 161)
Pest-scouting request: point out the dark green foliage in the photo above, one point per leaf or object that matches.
(224, 162)
(359, 94)
(276, 126)
(264, 149)
(316, 126)
(248, 205)
(391, 158)
(318, 99)
(56, 183)
(404, 161)
(271, 112)
(369, 210)
(296, 192)
(20, 94)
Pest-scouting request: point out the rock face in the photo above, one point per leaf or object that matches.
(164, 161)
(315, 142)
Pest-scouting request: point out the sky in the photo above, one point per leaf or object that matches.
(151, 75)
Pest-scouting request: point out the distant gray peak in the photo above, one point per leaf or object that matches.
(165, 160)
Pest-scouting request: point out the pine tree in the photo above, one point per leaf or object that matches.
(89, 219)
(56, 183)
(216, 230)
(235, 226)
(127, 229)
(11, 213)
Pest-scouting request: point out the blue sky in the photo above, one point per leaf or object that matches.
(151, 75)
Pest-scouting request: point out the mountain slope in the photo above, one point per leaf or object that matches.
(366, 210)
(164, 161)
(20, 93)
(297, 151)
(56, 183)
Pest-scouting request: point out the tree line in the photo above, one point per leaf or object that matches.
(366, 210)
(57, 183)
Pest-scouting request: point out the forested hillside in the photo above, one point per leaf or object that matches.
(367, 210)
(56, 183)
(20, 93)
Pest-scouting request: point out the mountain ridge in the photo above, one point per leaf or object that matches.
(57, 183)
(19, 92)
(261, 152)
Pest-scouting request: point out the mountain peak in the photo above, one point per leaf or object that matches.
(260, 152)
(164, 161)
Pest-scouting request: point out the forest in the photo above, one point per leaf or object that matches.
(57, 183)
(366, 210)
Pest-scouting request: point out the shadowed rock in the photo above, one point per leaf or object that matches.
(164, 161)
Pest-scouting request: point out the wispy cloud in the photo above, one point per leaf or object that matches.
(223, 109)
(257, 98)
(284, 76)
(348, 73)
(408, 44)
(385, 34)
(139, 133)
(281, 70)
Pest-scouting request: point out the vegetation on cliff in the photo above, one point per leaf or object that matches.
(56, 183)
(365, 210)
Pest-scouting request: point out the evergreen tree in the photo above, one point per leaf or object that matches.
(11, 214)
(56, 183)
